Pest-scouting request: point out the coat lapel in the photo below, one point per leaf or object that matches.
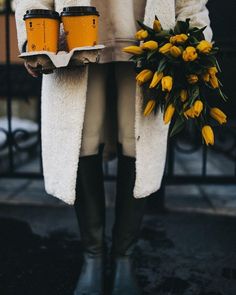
(63, 108)
(151, 146)
(151, 133)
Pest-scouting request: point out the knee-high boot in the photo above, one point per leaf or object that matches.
(129, 213)
(90, 211)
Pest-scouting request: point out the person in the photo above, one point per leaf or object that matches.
(78, 123)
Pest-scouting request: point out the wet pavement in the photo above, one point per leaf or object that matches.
(190, 249)
(179, 252)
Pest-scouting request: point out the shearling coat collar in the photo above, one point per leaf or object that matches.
(63, 108)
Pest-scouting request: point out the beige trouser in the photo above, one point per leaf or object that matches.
(93, 129)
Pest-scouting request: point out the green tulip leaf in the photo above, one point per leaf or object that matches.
(177, 127)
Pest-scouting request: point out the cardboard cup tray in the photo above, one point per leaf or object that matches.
(45, 60)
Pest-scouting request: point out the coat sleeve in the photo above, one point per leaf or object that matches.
(21, 7)
(197, 11)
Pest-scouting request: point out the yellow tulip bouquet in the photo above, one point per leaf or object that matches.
(176, 68)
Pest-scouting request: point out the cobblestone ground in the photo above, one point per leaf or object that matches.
(178, 252)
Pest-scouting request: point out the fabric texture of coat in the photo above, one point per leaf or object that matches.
(64, 99)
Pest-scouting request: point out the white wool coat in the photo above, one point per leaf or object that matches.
(64, 100)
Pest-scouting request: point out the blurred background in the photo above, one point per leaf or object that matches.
(188, 238)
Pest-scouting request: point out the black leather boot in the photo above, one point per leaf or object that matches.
(129, 213)
(90, 211)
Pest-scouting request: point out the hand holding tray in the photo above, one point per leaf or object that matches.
(46, 61)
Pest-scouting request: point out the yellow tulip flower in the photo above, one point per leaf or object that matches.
(150, 45)
(183, 95)
(172, 39)
(212, 71)
(192, 79)
(204, 46)
(212, 77)
(144, 76)
(157, 26)
(137, 34)
(197, 107)
(165, 48)
(218, 115)
(208, 134)
(190, 54)
(206, 77)
(175, 51)
(141, 34)
(214, 81)
(167, 83)
(149, 107)
(156, 79)
(136, 50)
(169, 113)
(189, 113)
(178, 39)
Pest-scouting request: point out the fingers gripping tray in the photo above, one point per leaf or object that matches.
(76, 57)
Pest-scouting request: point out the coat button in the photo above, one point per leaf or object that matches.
(138, 137)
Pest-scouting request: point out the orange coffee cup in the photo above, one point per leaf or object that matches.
(43, 27)
(80, 26)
